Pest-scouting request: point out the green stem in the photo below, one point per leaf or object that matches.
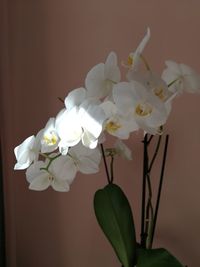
(50, 161)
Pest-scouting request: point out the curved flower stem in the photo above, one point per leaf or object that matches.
(59, 98)
(44, 155)
(50, 161)
(172, 82)
(159, 189)
(105, 163)
(111, 169)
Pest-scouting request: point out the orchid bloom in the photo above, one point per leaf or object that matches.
(155, 84)
(117, 124)
(135, 57)
(142, 106)
(181, 77)
(59, 175)
(50, 139)
(81, 120)
(101, 78)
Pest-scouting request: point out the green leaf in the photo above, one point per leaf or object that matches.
(156, 258)
(114, 216)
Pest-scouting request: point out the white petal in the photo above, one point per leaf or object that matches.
(139, 49)
(112, 71)
(64, 169)
(92, 120)
(94, 81)
(123, 150)
(124, 97)
(40, 183)
(109, 108)
(69, 128)
(75, 98)
(90, 164)
(23, 153)
(80, 150)
(89, 140)
(60, 186)
(143, 43)
(173, 66)
(192, 83)
(35, 170)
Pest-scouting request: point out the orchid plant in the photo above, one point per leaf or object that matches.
(73, 141)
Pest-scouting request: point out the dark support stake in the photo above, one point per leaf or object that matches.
(145, 170)
(160, 188)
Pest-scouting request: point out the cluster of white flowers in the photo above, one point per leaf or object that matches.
(69, 142)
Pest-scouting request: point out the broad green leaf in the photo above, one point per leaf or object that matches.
(156, 258)
(114, 215)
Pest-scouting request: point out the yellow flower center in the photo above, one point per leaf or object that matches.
(50, 140)
(159, 92)
(112, 127)
(130, 60)
(143, 109)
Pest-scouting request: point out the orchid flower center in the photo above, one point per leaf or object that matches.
(50, 139)
(143, 109)
(130, 60)
(159, 92)
(112, 127)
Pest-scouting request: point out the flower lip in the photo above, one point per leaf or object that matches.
(143, 109)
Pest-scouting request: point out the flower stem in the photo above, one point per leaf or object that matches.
(105, 163)
(111, 169)
(50, 161)
(171, 83)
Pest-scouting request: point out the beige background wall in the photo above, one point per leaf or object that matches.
(47, 47)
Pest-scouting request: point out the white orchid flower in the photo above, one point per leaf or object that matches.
(152, 81)
(134, 58)
(142, 106)
(101, 78)
(117, 124)
(59, 174)
(69, 129)
(50, 139)
(81, 120)
(84, 159)
(27, 151)
(123, 150)
(155, 84)
(181, 77)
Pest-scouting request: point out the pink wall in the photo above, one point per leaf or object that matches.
(46, 50)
